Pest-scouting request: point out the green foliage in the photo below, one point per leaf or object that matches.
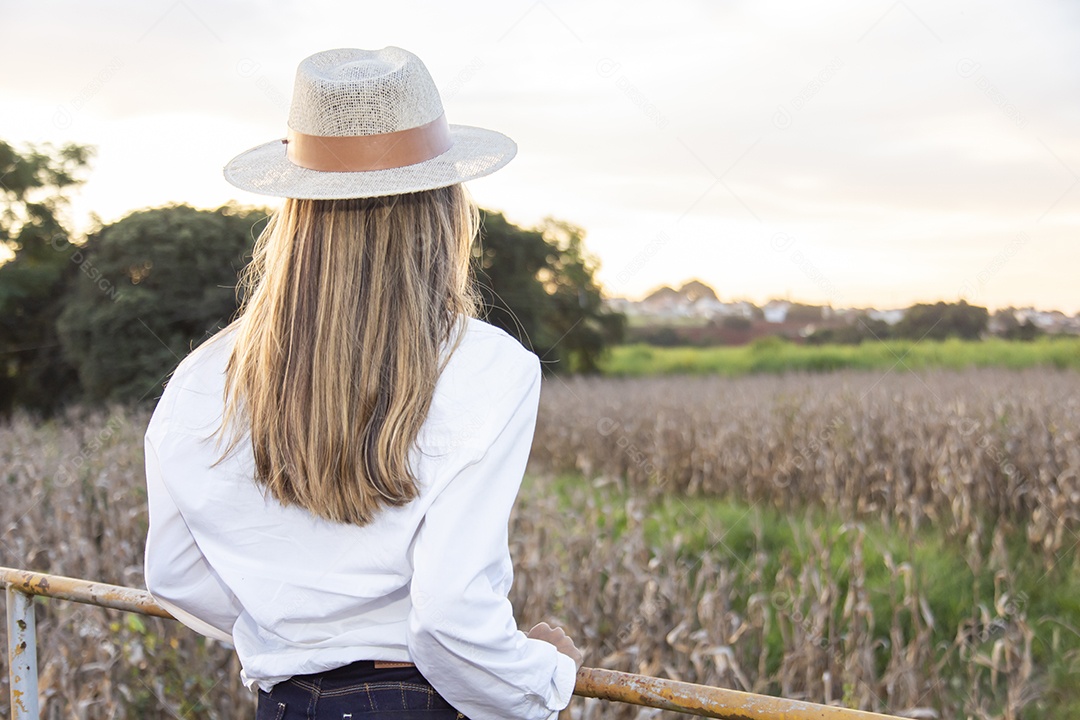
(33, 374)
(776, 356)
(109, 317)
(663, 336)
(1010, 328)
(761, 544)
(802, 313)
(156, 679)
(155, 284)
(538, 285)
(862, 328)
(736, 322)
(152, 286)
(943, 320)
(932, 322)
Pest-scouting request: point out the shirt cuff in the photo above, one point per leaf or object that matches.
(564, 681)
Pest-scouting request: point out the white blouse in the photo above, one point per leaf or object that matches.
(426, 582)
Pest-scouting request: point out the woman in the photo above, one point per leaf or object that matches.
(330, 477)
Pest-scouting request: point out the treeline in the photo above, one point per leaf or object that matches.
(106, 317)
(818, 325)
(937, 321)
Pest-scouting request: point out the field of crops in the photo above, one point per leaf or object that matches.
(899, 541)
(888, 541)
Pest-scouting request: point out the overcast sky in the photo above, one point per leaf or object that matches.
(856, 153)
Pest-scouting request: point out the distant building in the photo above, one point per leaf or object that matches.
(710, 308)
(776, 311)
(621, 305)
(664, 301)
(739, 308)
(890, 317)
(1049, 321)
(695, 299)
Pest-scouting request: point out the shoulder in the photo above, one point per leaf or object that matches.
(192, 397)
(209, 358)
(489, 376)
(489, 355)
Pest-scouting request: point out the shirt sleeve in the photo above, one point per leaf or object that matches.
(176, 573)
(462, 634)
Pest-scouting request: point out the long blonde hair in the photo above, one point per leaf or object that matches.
(348, 305)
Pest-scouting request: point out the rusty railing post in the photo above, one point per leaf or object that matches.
(22, 655)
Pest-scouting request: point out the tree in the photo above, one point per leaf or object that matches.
(139, 294)
(862, 327)
(800, 313)
(154, 285)
(736, 323)
(1004, 324)
(539, 286)
(33, 372)
(942, 320)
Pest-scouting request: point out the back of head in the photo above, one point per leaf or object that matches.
(349, 306)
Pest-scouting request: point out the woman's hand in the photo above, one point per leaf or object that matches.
(558, 638)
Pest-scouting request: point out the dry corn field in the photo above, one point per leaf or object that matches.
(892, 542)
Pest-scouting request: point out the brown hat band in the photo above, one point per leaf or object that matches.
(362, 153)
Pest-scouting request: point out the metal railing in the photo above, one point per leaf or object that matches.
(23, 585)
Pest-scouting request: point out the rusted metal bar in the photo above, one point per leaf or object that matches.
(704, 700)
(642, 690)
(22, 655)
(84, 591)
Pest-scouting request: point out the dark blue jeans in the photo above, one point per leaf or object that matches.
(353, 692)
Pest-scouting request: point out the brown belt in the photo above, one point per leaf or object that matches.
(380, 664)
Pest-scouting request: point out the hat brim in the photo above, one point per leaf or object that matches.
(265, 169)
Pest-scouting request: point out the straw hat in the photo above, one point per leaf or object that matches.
(364, 123)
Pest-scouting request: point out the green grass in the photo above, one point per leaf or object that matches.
(774, 355)
(734, 532)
